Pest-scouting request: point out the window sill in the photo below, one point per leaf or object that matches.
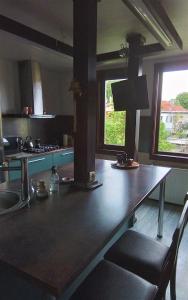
(110, 151)
(169, 157)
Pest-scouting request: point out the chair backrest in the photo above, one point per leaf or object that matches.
(177, 236)
(171, 259)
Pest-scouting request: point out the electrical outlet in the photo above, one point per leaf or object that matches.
(92, 176)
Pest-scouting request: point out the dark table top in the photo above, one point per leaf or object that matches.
(54, 240)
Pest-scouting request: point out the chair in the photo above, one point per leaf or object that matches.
(149, 258)
(111, 282)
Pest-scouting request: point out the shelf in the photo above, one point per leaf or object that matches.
(14, 116)
(46, 116)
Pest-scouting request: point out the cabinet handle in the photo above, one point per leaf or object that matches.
(36, 160)
(64, 154)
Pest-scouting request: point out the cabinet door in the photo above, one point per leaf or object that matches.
(13, 175)
(35, 165)
(63, 157)
(40, 163)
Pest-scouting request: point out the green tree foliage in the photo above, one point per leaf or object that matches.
(164, 145)
(114, 121)
(108, 91)
(115, 128)
(182, 98)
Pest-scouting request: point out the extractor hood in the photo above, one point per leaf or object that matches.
(31, 89)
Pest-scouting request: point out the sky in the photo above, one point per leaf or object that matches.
(174, 83)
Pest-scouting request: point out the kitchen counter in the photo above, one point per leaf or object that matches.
(20, 155)
(56, 239)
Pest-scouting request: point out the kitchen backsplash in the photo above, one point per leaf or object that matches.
(50, 131)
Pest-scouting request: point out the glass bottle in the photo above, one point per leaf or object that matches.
(54, 180)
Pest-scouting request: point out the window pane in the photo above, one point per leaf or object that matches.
(173, 131)
(114, 124)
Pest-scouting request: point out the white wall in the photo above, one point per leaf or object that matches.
(9, 87)
(57, 97)
(51, 87)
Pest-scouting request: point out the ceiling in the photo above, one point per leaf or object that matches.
(55, 18)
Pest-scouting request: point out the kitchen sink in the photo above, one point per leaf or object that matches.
(10, 201)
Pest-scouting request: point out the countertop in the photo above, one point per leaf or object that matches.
(52, 242)
(20, 155)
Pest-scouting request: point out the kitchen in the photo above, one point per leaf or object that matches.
(55, 84)
(52, 88)
(48, 129)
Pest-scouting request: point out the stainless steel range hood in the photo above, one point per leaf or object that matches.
(31, 89)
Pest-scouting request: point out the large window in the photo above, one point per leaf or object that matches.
(171, 111)
(111, 128)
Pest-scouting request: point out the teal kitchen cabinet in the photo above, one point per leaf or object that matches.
(63, 157)
(40, 163)
(13, 175)
(37, 164)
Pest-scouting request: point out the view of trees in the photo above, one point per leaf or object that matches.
(114, 120)
(108, 92)
(164, 145)
(182, 99)
(115, 128)
(174, 139)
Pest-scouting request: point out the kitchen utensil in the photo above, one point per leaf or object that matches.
(28, 144)
(19, 142)
(37, 143)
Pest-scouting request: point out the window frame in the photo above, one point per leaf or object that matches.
(102, 76)
(159, 68)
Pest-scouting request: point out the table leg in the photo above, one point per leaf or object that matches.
(161, 208)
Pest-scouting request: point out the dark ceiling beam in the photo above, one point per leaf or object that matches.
(108, 56)
(141, 51)
(23, 31)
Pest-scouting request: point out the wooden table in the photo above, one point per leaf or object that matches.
(54, 241)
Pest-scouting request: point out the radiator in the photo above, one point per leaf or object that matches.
(176, 186)
(176, 181)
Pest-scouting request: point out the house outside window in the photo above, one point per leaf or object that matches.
(170, 113)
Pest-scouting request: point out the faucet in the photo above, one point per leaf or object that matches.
(24, 176)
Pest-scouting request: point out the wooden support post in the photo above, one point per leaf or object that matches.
(133, 116)
(85, 91)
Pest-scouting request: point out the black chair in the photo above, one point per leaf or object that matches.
(111, 282)
(149, 258)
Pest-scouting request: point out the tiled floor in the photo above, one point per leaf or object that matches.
(147, 215)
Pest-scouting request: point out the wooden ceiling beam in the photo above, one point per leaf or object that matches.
(28, 33)
(23, 31)
(141, 51)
